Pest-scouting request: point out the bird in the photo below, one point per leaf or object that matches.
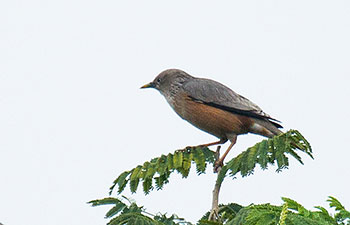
(214, 108)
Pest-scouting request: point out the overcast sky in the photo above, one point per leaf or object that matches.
(72, 116)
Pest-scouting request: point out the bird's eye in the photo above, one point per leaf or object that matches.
(158, 80)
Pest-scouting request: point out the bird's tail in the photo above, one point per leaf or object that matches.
(266, 128)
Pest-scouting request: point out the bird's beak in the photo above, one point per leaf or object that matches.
(149, 85)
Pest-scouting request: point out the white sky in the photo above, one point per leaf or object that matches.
(73, 117)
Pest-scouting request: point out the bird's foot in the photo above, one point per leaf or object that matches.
(191, 147)
(218, 165)
(186, 149)
(218, 161)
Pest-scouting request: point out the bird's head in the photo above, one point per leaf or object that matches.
(168, 81)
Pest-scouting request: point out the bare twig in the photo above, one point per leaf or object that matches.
(214, 213)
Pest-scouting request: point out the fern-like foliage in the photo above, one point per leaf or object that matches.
(270, 151)
(342, 216)
(157, 171)
(130, 213)
(291, 213)
(126, 212)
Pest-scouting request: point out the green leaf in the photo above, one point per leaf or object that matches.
(121, 181)
(177, 159)
(334, 203)
(342, 214)
(186, 165)
(296, 206)
(170, 162)
(147, 185)
(208, 222)
(150, 171)
(104, 201)
(251, 159)
(262, 154)
(273, 150)
(199, 159)
(133, 218)
(161, 180)
(187, 160)
(283, 214)
(115, 210)
(209, 155)
(323, 214)
(134, 178)
(162, 165)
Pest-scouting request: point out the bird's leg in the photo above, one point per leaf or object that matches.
(220, 162)
(221, 141)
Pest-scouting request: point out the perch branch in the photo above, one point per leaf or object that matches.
(214, 213)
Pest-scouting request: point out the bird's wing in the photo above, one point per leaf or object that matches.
(218, 95)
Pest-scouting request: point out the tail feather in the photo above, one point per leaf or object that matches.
(265, 128)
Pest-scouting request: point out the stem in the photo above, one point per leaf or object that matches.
(214, 213)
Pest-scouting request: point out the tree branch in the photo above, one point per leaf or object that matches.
(214, 213)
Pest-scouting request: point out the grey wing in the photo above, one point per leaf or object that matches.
(218, 95)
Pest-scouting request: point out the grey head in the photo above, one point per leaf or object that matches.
(169, 82)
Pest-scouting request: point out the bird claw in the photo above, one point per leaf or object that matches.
(218, 165)
(186, 149)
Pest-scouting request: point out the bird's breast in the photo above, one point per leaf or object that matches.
(215, 121)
